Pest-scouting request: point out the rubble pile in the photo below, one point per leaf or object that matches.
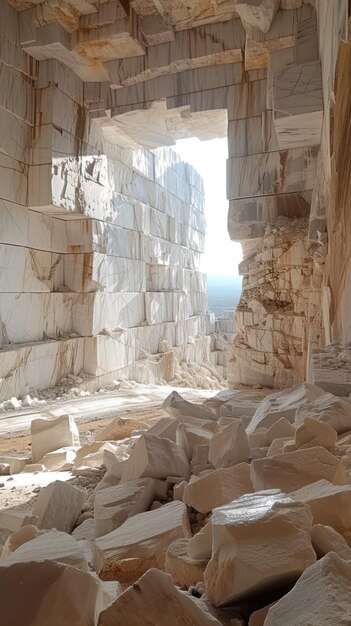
(230, 512)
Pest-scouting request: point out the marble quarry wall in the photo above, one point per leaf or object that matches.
(101, 237)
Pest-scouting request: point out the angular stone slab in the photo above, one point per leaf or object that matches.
(218, 488)
(229, 446)
(315, 433)
(55, 594)
(283, 404)
(140, 543)
(200, 545)
(113, 505)
(260, 541)
(58, 506)
(330, 504)
(327, 408)
(119, 428)
(172, 606)
(184, 570)
(18, 538)
(176, 406)
(321, 597)
(155, 457)
(51, 433)
(50, 546)
(293, 470)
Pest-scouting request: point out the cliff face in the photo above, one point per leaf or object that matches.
(100, 237)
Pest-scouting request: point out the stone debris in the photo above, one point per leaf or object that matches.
(322, 596)
(58, 506)
(51, 546)
(326, 539)
(218, 487)
(293, 470)
(336, 412)
(330, 504)
(112, 506)
(315, 433)
(259, 542)
(184, 570)
(282, 428)
(188, 437)
(200, 545)
(229, 446)
(155, 457)
(137, 604)
(119, 428)
(51, 433)
(18, 538)
(74, 595)
(258, 13)
(140, 543)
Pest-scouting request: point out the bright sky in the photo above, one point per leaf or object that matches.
(222, 256)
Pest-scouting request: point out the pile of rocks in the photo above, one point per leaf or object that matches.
(237, 511)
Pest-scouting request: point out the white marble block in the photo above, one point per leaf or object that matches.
(51, 433)
(58, 506)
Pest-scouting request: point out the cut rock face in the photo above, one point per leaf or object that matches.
(140, 543)
(155, 457)
(51, 546)
(43, 586)
(293, 470)
(259, 542)
(321, 597)
(218, 487)
(283, 404)
(51, 433)
(58, 506)
(229, 446)
(330, 504)
(258, 13)
(155, 596)
(114, 505)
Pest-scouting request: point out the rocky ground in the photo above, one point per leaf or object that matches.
(231, 509)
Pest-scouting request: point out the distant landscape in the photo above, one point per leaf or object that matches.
(223, 293)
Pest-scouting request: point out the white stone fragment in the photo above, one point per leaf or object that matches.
(189, 436)
(315, 433)
(330, 504)
(51, 546)
(112, 506)
(140, 543)
(176, 406)
(57, 460)
(282, 428)
(51, 433)
(58, 506)
(119, 428)
(283, 404)
(218, 487)
(15, 464)
(155, 457)
(200, 545)
(258, 542)
(184, 570)
(321, 597)
(293, 470)
(172, 607)
(326, 539)
(229, 446)
(18, 538)
(327, 408)
(44, 585)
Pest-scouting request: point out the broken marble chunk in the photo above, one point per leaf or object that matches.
(315, 433)
(176, 406)
(52, 546)
(140, 543)
(51, 433)
(200, 545)
(327, 408)
(155, 457)
(259, 542)
(113, 505)
(257, 13)
(184, 570)
(326, 539)
(119, 428)
(229, 446)
(58, 506)
(330, 504)
(218, 487)
(321, 597)
(292, 470)
(154, 595)
(18, 538)
(51, 594)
